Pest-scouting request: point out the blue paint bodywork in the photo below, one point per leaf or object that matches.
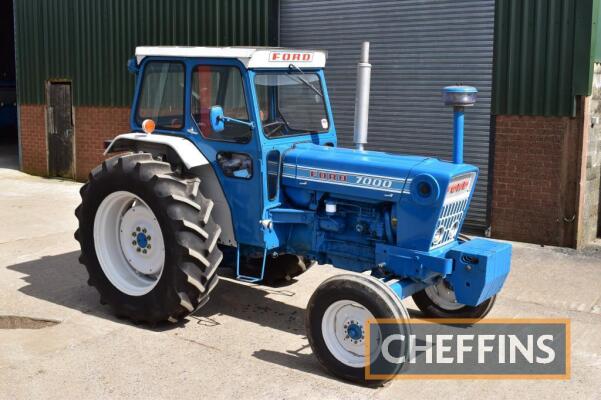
(480, 269)
(388, 208)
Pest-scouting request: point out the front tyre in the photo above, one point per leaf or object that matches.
(147, 239)
(336, 319)
(438, 301)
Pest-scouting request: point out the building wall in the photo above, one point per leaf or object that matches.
(534, 179)
(93, 125)
(88, 43)
(545, 180)
(592, 201)
(543, 55)
(32, 132)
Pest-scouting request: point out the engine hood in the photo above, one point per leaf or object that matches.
(366, 174)
(370, 175)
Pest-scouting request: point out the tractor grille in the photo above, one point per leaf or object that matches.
(451, 213)
(454, 208)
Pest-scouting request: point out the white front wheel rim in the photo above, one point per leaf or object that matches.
(343, 328)
(129, 243)
(443, 295)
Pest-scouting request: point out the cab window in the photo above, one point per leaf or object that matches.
(291, 103)
(162, 95)
(214, 85)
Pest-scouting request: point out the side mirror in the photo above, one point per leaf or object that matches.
(216, 117)
(132, 65)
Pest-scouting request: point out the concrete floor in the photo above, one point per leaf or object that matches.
(248, 342)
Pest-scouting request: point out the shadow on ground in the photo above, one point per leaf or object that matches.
(60, 279)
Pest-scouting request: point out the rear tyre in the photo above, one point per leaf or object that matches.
(284, 268)
(336, 323)
(438, 301)
(147, 239)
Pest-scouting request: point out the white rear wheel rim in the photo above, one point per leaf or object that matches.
(443, 296)
(343, 328)
(129, 243)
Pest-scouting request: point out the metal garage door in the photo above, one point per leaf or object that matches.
(417, 47)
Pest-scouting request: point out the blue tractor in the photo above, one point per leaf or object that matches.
(233, 156)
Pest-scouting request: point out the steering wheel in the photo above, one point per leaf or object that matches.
(277, 126)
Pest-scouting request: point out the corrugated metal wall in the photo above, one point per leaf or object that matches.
(543, 54)
(90, 41)
(417, 47)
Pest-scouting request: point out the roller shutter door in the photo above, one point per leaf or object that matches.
(417, 47)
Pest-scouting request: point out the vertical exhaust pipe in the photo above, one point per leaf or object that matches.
(459, 97)
(362, 98)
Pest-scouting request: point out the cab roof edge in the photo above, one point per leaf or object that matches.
(251, 57)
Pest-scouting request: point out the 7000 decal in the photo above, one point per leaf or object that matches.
(358, 180)
(375, 182)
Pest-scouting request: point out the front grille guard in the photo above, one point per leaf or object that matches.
(451, 213)
(454, 211)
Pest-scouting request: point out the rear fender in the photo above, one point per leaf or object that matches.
(181, 151)
(189, 155)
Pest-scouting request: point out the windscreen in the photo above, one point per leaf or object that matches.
(291, 103)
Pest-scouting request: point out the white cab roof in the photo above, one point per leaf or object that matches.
(251, 57)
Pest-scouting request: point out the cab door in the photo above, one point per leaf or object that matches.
(234, 152)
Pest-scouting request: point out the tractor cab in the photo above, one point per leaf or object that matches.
(243, 108)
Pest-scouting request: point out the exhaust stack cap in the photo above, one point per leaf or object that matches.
(362, 97)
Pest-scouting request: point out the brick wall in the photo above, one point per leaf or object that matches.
(534, 179)
(93, 125)
(32, 128)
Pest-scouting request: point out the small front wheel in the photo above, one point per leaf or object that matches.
(336, 320)
(439, 301)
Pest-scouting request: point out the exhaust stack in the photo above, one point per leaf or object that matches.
(362, 98)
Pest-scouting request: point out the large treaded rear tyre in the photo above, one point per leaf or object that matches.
(183, 214)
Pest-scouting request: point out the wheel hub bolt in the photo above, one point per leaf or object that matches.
(138, 229)
(144, 251)
(138, 249)
(133, 243)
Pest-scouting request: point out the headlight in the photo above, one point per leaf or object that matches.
(425, 189)
(453, 230)
(438, 235)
